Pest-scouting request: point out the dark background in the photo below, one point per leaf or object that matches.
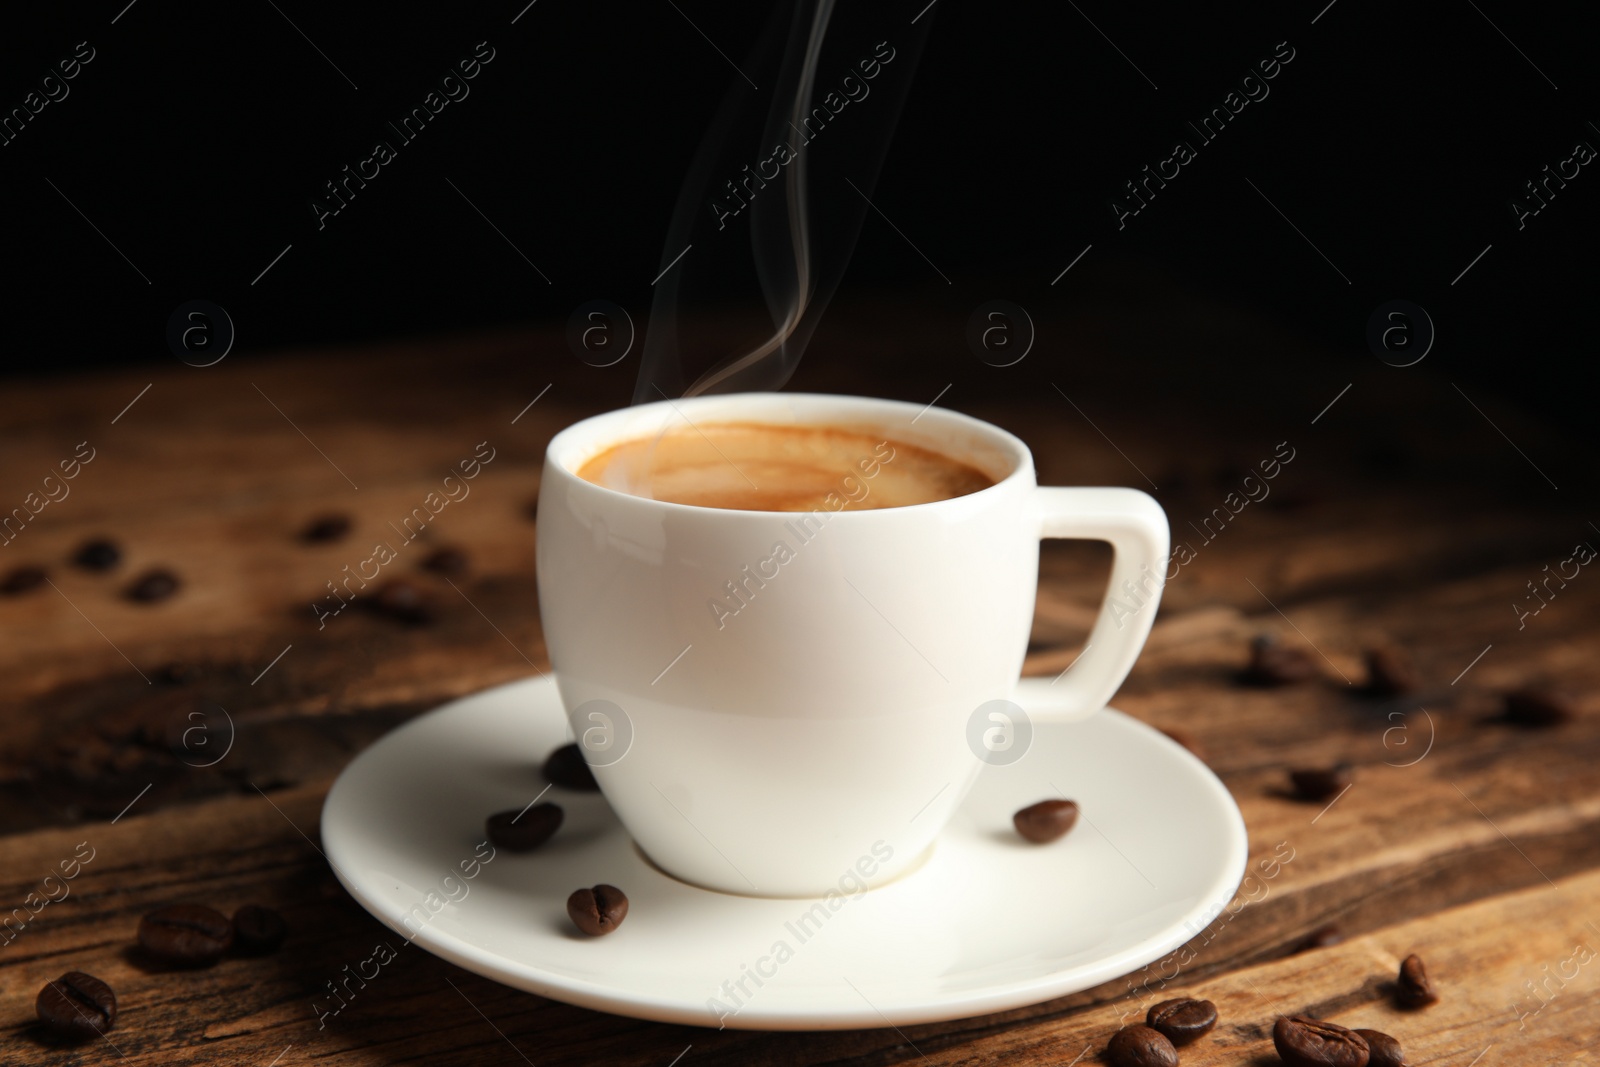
(1394, 141)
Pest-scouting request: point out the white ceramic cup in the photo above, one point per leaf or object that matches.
(816, 739)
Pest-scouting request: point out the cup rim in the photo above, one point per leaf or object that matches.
(575, 444)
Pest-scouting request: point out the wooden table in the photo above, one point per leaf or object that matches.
(1404, 517)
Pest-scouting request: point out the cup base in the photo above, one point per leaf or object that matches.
(916, 864)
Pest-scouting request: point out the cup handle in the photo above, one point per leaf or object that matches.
(1136, 527)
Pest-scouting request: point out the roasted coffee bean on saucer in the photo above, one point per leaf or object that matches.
(155, 584)
(21, 580)
(1273, 664)
(100, 554)
(567, 768)
(1306, 1042)
(1182, 1020)
(1384, 1051)
(524, 831)
(1321, 783)
(258, 930)
(1140, 1046)
(1046, 821)
(325, 528)
(599, 910)
(76, 1005)
(186, 935)
(1412, 988)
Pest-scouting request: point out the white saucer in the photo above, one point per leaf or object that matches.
(988, 923)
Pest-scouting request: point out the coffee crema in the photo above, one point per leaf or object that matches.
(768, 467)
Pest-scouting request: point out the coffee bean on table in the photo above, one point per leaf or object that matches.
(101, 554)
(1536, 707)
(599, 910)
(186, 934)
(446, 559)
(76, 1005)
(1385, 1050)
(258, 930)
(1321, 937)
(567, 768)
(1272, 664)
(1306, 1042)
(21, 580)
(155, 584)
(523, 831)
(1046, 820)
(401, 600)
(1412, 988)
(325, 528)
(1183, 1020)
(1140, 1046)
(1321, 783)
(1389, 672)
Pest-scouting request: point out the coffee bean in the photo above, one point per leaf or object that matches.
(599, 910)
(1183, 1020)
(1272, 664)
(567, 768)
(1321, 783)
(1389, 672)
(1321, 937)
(447, 559)
(1537, 707)
(1046, 820)
(1187, 740)
(1385, 1050)
(325, 528)
(531, 510)
(101, 554)
(21, 580)
(153, 585)
(76, 1005)
(1412, 988)
(524, 831)
(1140, 1046)
(258, 930)
(402, 601)
(1306, 1042)
(186, 934)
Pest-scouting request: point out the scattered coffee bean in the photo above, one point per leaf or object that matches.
(524, 831)
(1140, 1046)
(447, 559)
(402, 601)
(1272, 664)
(567, 768)
(153, 585)
(1321, 783)
(1536, 707)
(186, 934)
(599, 910)
(1046, 820)
(101, 554)
(76, 1005)
(1183, 1020)
(325, 528)
(1389, 672)
(258, 930)
(1306, 1042)
(21, 580)
(1187, 740)
(1321, 937)
(1412, 988)
(177, 673)
(1385, 1050)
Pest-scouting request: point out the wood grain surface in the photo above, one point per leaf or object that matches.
(1403, 518)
